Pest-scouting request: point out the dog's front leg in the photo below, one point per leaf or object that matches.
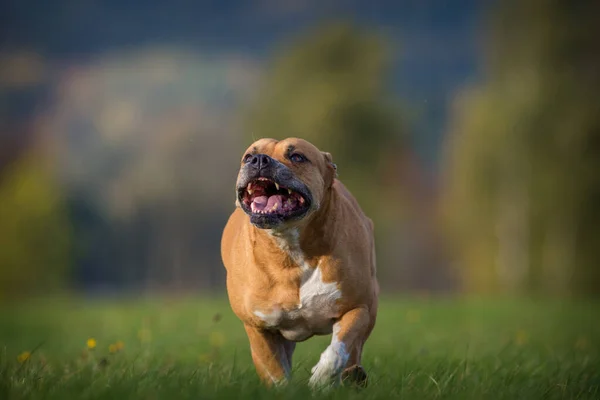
(347, 333)
(270, 355)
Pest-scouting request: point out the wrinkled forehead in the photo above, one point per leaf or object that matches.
(279, 148)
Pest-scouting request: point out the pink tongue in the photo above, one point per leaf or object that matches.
(275, 199)
(261, 203)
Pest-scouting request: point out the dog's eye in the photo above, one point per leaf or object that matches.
(297, 158)
(247, 158)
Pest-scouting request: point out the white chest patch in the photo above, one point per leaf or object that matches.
(316, 295)
(317, 308)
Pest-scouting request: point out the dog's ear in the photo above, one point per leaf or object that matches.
(331, 168)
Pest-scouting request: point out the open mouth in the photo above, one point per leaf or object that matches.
(263, 196)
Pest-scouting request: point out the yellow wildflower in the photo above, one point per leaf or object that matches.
(115, 347)
(91, 343)
(217, 339)
(24, 356)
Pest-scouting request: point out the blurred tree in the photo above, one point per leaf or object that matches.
(330, 87)
(523, 158)
(34, 230)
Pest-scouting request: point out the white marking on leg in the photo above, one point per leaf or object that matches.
(331, 364)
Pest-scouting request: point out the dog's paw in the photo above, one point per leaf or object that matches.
(355, 376)
(329, 368)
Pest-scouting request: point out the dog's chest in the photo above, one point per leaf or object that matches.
(314, 309)
(314, 313)
(317, 298)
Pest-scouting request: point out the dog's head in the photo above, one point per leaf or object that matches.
(282, 182)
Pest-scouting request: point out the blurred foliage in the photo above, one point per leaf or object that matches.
(522, 173)
(34, 230)
(138, 136)
(330, 87)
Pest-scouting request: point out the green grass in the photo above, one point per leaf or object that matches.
(420, 349)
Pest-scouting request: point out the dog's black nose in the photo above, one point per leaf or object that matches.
(259, 161)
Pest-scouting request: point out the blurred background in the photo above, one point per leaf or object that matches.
(468, 130)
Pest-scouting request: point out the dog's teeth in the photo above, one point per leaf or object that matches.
(275, 206)
(276, 185)
(250, 191)
(289, 191)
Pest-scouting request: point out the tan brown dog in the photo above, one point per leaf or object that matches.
(300, 260)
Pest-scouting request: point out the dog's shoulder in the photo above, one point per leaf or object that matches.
(230, 238)
(347, 199)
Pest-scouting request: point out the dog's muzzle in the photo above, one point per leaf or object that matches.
(269, 192)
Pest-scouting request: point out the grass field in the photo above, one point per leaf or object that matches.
(196, 349)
